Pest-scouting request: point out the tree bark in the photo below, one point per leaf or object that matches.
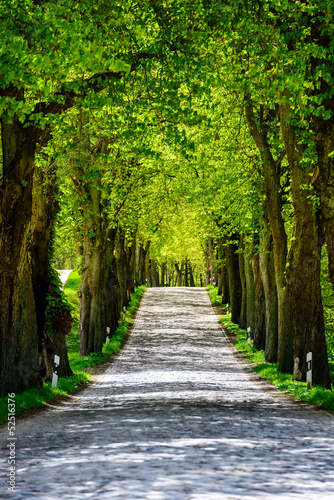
(142, 251)
(124, 271)
(163, 273)
(219, 265)
(109, 285)
(225, 289)
(241, 261)
(267, 269)
(153, 273)
(186, 272)
(260, 306)
(208, 263)
(62, 324)
(303, 270)
(91, 338)
(178, 273)
(232, 266)
(19, 359)
(43, 216)
(250, 289)
(191, 275)
(271, 172)
(323, 175)
(323, 180)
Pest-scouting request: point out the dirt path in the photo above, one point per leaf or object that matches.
(176, 417)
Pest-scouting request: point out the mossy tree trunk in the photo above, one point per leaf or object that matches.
(19, 359)
(225, 289)
(234, 283)
(260, 305)
(303, 268)
(179, 276)
(45, 280)
(91, 338)
(250, 288)
(241, 261)
(267, 269)
(259, 129)
(109, 284)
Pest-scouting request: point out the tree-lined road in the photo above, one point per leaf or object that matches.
(175, 417)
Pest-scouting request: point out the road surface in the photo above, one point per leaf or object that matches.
(176, 417)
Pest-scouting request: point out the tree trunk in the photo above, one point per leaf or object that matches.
(225, 289)
(303, 270)
(267, 269)
(153, 273)
(124, 272)
(219, 265)
(250, 289)
(186, 273)
(260, 306)
(43, 216)
(62, 323)
(271, 172)
(233, 281)
(163, 273)
(91, 338)
(323, 180)
(61, 350)
(323, 175)
(208, 263)
(92, 332)
(171, 273)
(178, 274)
(241, 260)
(130, 266)
(109, 285)
(19, 359)
(141, 263)
(191, 275)
(157, 275)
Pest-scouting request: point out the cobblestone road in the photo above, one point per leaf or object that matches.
(176, 417)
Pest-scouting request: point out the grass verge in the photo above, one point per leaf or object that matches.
(37, 397)
(322, 398)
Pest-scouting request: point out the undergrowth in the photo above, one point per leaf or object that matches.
(40, 396)
(317, 395)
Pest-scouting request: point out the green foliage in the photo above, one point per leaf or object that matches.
(216, 300)
(73, 282)
(57, 302)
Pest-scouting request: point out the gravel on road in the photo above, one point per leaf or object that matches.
(176, 417)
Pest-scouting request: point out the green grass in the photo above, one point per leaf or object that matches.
(73, 281)
(216, 300)
(34, 398)
(317, 395)
(71, 292)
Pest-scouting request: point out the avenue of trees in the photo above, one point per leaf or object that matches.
(164, 142)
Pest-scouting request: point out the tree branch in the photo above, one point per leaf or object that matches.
(96, 82)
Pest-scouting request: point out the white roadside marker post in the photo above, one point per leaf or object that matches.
(108, 335)
(55, 372)
(249, 335)
(309, 370)
(227, 312)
